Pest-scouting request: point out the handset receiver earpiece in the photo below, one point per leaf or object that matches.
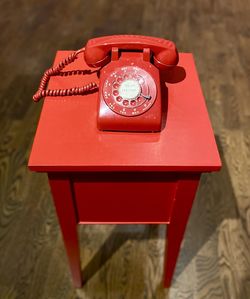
(96, 56)
(166, 59)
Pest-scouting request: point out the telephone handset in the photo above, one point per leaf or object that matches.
(129, 84)
(97, 50)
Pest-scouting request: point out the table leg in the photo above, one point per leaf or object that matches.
(64, 203)
(185, 194)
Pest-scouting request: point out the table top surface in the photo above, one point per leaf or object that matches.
(67, 138)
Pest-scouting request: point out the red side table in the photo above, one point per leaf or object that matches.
(119, 177)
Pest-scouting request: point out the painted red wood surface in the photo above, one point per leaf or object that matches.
(67, 138)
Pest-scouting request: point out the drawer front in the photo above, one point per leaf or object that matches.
(124, 199)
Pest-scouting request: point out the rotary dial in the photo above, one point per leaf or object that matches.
(129, 91)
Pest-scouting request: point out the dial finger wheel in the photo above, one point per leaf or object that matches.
(129, 91)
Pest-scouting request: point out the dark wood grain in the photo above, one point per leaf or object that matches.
(126, 261)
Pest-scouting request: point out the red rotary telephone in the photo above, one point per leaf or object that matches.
(129, 87)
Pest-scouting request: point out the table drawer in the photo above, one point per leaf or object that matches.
(124, 197)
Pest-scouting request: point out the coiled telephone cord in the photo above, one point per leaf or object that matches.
(55, 71)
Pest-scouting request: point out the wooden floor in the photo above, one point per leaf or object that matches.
(126, 261)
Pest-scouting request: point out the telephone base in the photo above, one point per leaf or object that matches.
(148, 127)
(130, 95)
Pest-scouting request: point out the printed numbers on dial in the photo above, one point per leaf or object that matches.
(129, 91)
